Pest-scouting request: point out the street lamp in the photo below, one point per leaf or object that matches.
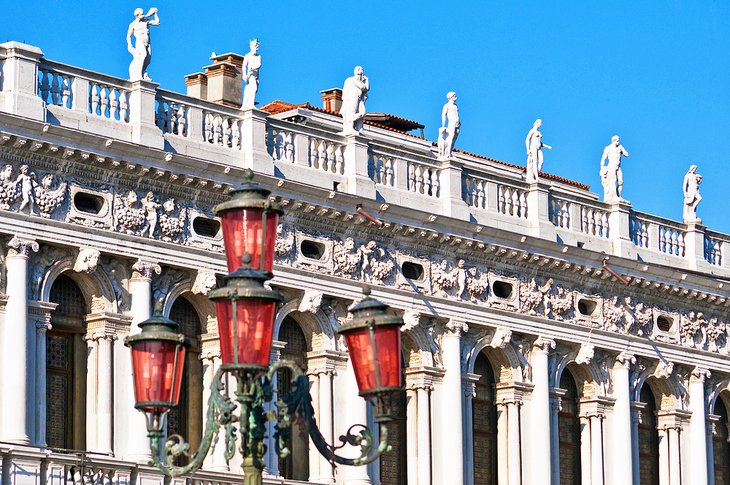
(246, 310)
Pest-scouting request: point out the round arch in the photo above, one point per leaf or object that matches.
(95, 286)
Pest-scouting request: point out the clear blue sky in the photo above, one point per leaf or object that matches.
(655, 72)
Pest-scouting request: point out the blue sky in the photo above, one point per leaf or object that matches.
(655, 72)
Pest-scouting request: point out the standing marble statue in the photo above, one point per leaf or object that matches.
(142, 49)
(354, 94)
(692, 197)
(250, 69)
(612, 177)
(534, 146)
(450, 126)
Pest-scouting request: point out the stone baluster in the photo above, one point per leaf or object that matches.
(540, 412)
(698, 426)
(619, 422)
(140, 289)
(15, 355)
(20, 81)
(448, 418)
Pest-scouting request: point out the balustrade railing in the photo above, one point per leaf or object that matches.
(512, 201)
(54, 88)
(280, 144)
(639, 231)
(475, 192)
(424, 179)
(560, 213)
(594, 221)
(714, 247)
(671, 240)
(109, 101)
(171, 116)
(222, 130)
(326, 155)
(383, 169)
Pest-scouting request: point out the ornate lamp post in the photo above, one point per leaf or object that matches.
(246, 310)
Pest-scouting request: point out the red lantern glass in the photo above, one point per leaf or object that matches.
(242, 233)
(362, 352)
(158, 368)
(246, 336)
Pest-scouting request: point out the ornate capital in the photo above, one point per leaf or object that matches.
(145, 269)
(625, 360)
(22, 247)
(42, 326)
(699, 374)
(456, 327)
(543, 344)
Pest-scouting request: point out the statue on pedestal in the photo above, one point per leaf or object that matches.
(692, 197)
(450, 127)
(141, 50)
(354, 94)
(612, 177)
(534, 146)
(250, 69)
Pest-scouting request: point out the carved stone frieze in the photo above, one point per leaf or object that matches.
(284, 244)
(345, 257)
(87, 260)
(173, 221)
(118, 274)
(129, 214)
(48, 198)
(8, 187)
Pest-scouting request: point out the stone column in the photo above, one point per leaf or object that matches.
(510, 398)
(636, 408)
(91, 390)
(556, 396)
(140, 289)
(17, 362)
(670, 424)
(540, 412)
(42, 328)
(621, 422)
(469, 392)
(450, 419)
(355, 413)
(314, 456)
(592, 415)
(104, 396)
(215, 459)
(698, 426)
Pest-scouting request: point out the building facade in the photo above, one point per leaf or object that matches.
(549, 337)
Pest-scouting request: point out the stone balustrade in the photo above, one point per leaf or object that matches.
(306, 145)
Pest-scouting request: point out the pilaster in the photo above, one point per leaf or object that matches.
(510, 399)
(419, 387)
(670, 425)
(699, 456)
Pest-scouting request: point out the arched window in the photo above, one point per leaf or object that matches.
(648, 440)
(569, 431)
(296, 465)
(66, 367)
(187, 418)
(721, 450)
(484, 414)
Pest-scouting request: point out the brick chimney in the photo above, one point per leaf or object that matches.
(197, 84)
(225, 79)
(332, 99)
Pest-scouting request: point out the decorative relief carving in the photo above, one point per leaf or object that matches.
(40, 266)
(22, 247)
(443, 276)
(376, 264)
(716, 335)
(585, 354)
(346, 258)
(8, 188)
(692, 330)
(172, 226)
(162, 286)
(534, 298)
(47, 198)
(145, 269)
(129, 218)
(477, 284)
(204, 282)
(118, 274)
(311, 301)
(284, 243)
(87, 260)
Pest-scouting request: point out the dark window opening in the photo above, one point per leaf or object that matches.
(412, 271)
(312, 249)
(88, 203)
(587, 307)
(664, 324)
(206, 227)
(502, 289)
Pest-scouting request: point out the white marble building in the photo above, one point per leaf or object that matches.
(549, 338)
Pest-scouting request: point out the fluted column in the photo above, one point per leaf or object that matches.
(510, 399)
(620, 422)
(450, 419)
(140, 289)
(670, 426)
(593, 464)
(17, 362)
(698, 427)
(540, 412)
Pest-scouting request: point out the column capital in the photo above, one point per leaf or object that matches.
(22, 247)
(543, 344)
(699, 374)
(625, 360)
(512, 393)
(43, 327)
(143, 269)
(455, 327)
(325, 362)
(596, 407)
(675, 419)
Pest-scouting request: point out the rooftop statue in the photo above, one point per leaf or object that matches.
(354, 94)
(534, 146)
(141, 50)
(250, 69)
(450, 126)
(692, 197)
(612, 177)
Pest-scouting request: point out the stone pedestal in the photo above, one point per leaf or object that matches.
(619, 233)
(20, 81)
(538, 211)
(356, 167)
(253, 142)
(142, 115)
(452, 201)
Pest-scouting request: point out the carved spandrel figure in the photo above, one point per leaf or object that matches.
(692, 197)
(534, 146)
(142, 49)
(612, 177)
(450, 127)
(354, 94)
(250, 70)
(47, 198)
(26, 183)
(150, 205)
